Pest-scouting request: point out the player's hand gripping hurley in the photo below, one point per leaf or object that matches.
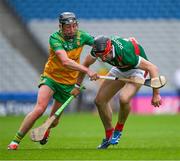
(156, 82)
(37, 134)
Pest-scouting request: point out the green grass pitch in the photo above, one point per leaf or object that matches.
(77, 136)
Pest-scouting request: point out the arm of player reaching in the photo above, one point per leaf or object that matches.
(69, 63)
(87, 62)
(153, 72)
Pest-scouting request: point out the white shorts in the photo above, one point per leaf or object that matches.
(130, 73)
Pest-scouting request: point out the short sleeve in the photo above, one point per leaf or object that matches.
(55, 43)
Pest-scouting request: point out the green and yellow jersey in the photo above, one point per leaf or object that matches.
(54, 68)
(124, 57)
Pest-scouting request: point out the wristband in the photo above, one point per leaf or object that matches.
(77, 86)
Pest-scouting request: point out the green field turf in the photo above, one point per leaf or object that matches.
(144, 138)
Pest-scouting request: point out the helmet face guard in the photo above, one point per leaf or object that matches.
(68, 18)
(102, 47)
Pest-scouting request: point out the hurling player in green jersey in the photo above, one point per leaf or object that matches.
(128, 60)
(60, 73)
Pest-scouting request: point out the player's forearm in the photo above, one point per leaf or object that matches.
(88, 61)
(71, 64)
(153, 71)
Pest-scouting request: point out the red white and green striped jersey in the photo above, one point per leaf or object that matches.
(124, 55)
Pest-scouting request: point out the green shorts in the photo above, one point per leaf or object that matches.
(61, 91)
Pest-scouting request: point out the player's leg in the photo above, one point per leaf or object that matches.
(55, 106)
(107, 90)
(127, 92)
(44, 95)
(60, 96)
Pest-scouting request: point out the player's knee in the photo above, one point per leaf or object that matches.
(39, 111)
(40, 108)
(124, 99)
(98, 102)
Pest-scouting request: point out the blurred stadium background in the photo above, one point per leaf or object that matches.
(26, 25)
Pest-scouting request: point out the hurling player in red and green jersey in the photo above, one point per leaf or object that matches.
(60, 73)
(128, 60)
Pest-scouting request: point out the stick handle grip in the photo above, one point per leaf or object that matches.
(57, 113)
